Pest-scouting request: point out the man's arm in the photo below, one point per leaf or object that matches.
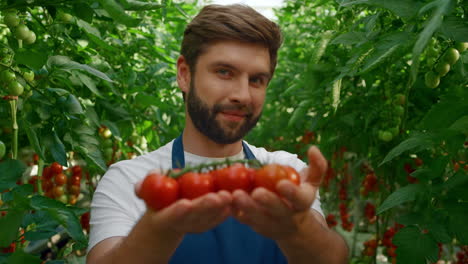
(157, 234)
(315, 243)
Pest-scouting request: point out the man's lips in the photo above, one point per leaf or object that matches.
(234, 115)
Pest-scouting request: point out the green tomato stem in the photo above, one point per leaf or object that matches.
(20, 43)
(213, 165)
(40, 169)
(14, 148)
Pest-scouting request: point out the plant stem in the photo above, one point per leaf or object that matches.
(14, 145)
(213, 165)
(40, 169)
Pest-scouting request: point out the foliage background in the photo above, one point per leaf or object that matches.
(104, 90)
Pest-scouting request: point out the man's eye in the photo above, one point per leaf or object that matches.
(256, 80)
(223, 72)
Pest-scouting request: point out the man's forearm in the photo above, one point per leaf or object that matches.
(146, 243)
(314, 243)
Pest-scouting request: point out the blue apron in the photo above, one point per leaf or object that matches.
(231, 242)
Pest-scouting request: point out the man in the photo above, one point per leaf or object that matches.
(228, 58)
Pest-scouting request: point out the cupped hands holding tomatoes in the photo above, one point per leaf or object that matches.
(262, 198)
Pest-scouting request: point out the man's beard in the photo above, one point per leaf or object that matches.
(204, 119)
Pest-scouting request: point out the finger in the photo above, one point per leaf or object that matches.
(300, 197)
(317, 166)
(246, 210)
(271, 203)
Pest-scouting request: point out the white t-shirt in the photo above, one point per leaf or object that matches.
(115, 208)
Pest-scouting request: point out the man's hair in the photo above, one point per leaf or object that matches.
(229, 22)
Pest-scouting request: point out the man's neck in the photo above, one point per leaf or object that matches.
(198, 144)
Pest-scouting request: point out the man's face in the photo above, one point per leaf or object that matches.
(227, 91)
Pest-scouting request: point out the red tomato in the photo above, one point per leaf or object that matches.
(235, 177)
(56, 168)
(60, 179)
(58, 191)
(47, 184)
(159, 191)
(75, 189)
(76, 170)
(75, 180)
(269, 175)
(193, 185)
(47, 173)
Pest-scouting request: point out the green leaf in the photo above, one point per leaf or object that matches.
(402, 195)
(11, 171)
(413, 246)
(88, 82)
(94, 156)
(418, 142)
(21, 257)
(88, 28)
(455, 28)
(72, 105)
(299, 112)
(65, 63)
(83, 11)
(56, 147)
(72, 225)
(350, 38)
(9, 227)
(139, 5)
(458, 179)
(384, 49)
(118, 13)
(32, 137)
(457, 223)
(33, 59)
(461, 125)
(445, 113)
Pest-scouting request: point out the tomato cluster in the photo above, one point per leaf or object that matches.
(346, 224)
(159, 191)
(57, 184)
(370, 247)
(462, 256)
(440, 65)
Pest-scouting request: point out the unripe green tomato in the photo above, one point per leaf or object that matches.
(451, 56)
(395, 131)
(108, 152)
(2, 150)
(15, 88)
(442, 68)
(65, 17)
(106, 133)
(28, 76)
(461, 46)
(11, 20)
(431, 79)
(31, 38)
(7, 76)
(107, 143)
(399, 110)
(63, 198)
(432, 52)
(399, 99)
(386, 136)
(22, 32)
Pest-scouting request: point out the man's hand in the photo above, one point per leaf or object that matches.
(193, 216)
(280, 217)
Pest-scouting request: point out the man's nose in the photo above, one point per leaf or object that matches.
(241, 91)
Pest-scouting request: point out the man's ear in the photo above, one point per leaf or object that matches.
(183, 74)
